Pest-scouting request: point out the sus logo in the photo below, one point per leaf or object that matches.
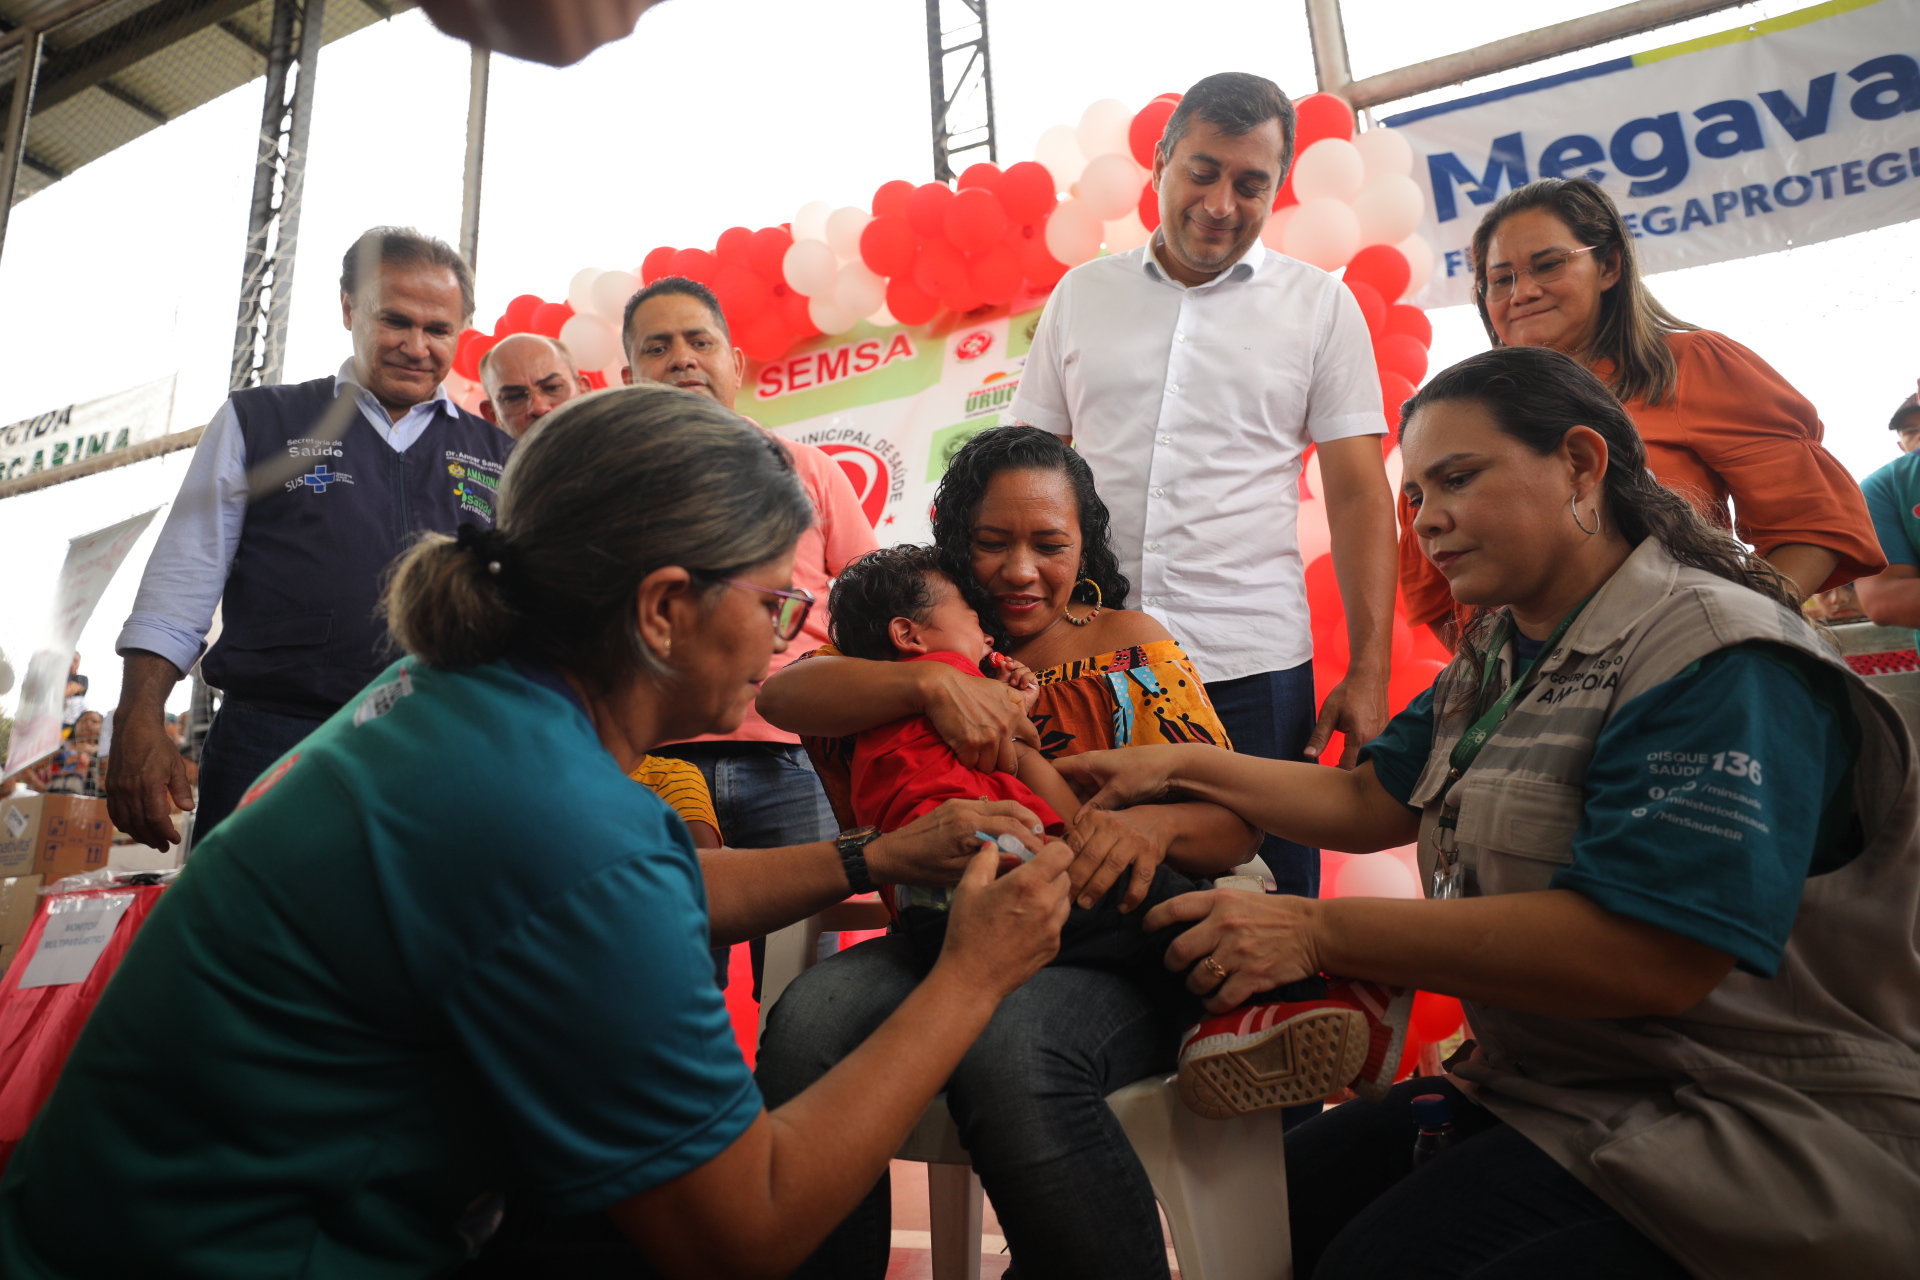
(867, 472)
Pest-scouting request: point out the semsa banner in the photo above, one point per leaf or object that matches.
(1784, 132)
(77, 432)
(892, 404)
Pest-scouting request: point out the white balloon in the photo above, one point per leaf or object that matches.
(829, 317)
(1126, 233)
(1377, 875)
(580, 289)
(1103, 129)
(1331, 167)
(883, 319)
(1389, 208)
(1271, 234)
(1059, 150)
(610, 293)
(843, 232)
(595, 343)
(1322, 231)
(1384, 152)
(1110, 186)
(810, 268)
(612, 371)
(810, 223)
(1073, 233)
(1419, 255)
(857, 290)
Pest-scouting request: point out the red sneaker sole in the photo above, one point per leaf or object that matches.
(1303, 1059)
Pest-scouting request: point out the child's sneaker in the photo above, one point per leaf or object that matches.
(1283, 1054)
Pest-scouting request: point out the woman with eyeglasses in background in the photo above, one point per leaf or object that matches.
(1555, 267)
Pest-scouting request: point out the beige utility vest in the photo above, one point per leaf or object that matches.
(1772, 1130)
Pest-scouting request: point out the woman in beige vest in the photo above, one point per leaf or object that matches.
(1669, 845)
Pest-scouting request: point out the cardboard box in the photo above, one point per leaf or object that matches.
(19, 834)
(75, 836)
(19, 899)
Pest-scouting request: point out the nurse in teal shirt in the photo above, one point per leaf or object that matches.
(1892, 596)
(447, 953)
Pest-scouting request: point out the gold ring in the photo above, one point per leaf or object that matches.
(1213, 966)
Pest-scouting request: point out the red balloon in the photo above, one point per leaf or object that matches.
(1395, 390)
(467, 353)
(980, 175)
(767, 254)
(1382, 266)
(1043, 270)
(940, 270)
(743, 295)
(927, 208)
(548, 317)
(1411, 321)
(694, 264)
(996, 276)
(1026, 192)
(1286, 197)
(732, 247)
(1434, 1018)
(888, 245)
(974, 220)
(1149, 207)
(655, 265)
(1397, 353)
(765, 337)
(518, 315)
(1372, 306)
(891, 198)
(1321, 115)
(793, 310)
(1149, 122)
(962, 302)
(908, 302)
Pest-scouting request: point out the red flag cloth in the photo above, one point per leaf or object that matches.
(38, 1026)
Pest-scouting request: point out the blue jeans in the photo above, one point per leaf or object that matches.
(242, 744)
(766, 796)
(1271, 715)
(1029, 1099)
(1492, 1206)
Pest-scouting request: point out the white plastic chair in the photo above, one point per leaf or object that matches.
(1221, 1183)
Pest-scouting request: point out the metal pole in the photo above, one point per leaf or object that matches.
(476, 153)
(266, 163)
(936, 84)
(1328, 33)
(288, 241)
(24, 81)
(986, 82)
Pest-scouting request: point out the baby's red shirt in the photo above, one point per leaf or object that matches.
(902, 770)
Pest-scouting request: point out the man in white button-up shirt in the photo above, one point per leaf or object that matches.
(1193, 374)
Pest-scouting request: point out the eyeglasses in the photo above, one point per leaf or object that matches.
(793, 610)
(1501, 283)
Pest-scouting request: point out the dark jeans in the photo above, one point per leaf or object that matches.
(243, 743)
(1029, 1099)
(766, 796)
(1492, 1206)
(1271, 715)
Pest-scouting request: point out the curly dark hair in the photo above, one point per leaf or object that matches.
(893, 582)
(964, 487)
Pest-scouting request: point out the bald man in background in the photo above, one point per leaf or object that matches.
(527, 376)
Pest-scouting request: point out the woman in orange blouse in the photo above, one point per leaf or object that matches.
(1555, 267)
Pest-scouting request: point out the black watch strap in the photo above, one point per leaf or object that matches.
(853, 857)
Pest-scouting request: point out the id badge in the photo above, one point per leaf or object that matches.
(1447, 868)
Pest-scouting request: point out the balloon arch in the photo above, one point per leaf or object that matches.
(995, 244)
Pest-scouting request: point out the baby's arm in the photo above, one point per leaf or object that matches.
(1045, 781)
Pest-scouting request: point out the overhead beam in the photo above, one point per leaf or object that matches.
(50, 172)
(129, 99)
(1521, 50)
(244, 36)
(19, 117)
(381, 11)
(79, 67)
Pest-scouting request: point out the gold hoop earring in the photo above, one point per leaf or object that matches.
(1099, 602)
(1576, 516)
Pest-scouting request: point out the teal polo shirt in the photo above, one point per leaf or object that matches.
(445, 950)
(1893, 500)
(1770, 728)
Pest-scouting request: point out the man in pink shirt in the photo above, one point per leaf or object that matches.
(763, 787)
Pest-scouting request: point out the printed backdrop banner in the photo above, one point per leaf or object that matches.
(62, 437)
(1789, 131)
(92, 560)
(891, 405)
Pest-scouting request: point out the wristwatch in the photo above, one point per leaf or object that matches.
(853, 856)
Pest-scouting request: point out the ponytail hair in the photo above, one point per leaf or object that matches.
(1537, 395)
(611, 487)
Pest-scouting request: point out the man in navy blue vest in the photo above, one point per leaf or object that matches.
(297, 500)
